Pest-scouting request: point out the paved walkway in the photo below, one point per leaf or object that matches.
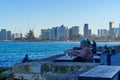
(115, 59)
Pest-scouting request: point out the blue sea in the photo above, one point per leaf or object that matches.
(13, 52)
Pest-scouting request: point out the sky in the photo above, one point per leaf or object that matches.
(21, 15)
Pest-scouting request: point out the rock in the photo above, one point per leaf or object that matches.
(6, 73)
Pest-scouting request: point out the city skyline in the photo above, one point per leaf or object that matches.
(62, 33)
(21, 15)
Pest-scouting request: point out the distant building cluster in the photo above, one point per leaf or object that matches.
(5, 35)
(64, 33)
(8, 36)
(60, 33)
(113, 31)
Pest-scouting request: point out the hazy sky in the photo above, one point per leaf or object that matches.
(21, 15)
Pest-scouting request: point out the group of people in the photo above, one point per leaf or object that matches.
(86, 52)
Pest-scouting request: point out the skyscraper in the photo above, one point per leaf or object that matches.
(3, 34)
(53, 33)
(62, 33)
(86, 30)
(99, 35)
(44, 34)
(89, 33)
(74, 31)
(111, 28)
(9, 35)
(104, 33)
(59, 33)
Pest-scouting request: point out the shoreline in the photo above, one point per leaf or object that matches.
(61, 41)
(7, 72)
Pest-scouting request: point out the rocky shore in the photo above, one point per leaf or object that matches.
(6, 73)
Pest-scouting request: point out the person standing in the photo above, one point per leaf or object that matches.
(89, 43)
(94, 47)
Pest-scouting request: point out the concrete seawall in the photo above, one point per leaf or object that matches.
(51, 70)
(46, 69)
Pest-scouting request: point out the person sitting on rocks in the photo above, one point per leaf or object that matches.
(85, 54)
(25, 59)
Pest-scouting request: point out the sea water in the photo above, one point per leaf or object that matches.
(13, 52)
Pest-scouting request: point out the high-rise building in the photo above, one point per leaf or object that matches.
(86, 30)
(44, 34)
(89, 33)
(117, 32)
(104, 33)
(62, 33)
(9, 35)
(3, 34)
(111, 28)
(74, 31)
(53, 33)
(59, 33)
(99, 35)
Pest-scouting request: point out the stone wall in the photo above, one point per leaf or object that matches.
(50, 70)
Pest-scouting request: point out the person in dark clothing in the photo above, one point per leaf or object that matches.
(89, 43)
(25, 59)
(94, 47)
(106, 49)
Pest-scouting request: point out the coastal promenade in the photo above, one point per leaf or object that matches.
(47, 69)
(115, 59)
